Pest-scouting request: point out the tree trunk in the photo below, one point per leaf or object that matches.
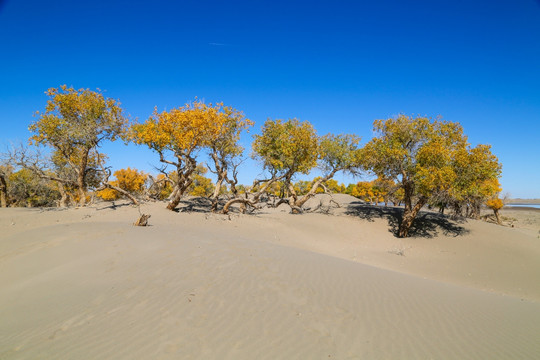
(298, 203)
(476, 211)
(458, 209)
(232, 184)
(441, 208)
(221, 171)
(184, 180)
(63, 196)
(82, 195)
(293, 198)
(255, 199)
(217, 190)
(409, 214)
(496, 211)
(81, 179)
(142, 220)
(175, 198)
(3, 191)
(217, 187)
(123, 192)
(244, 202)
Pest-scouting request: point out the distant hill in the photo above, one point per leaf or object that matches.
(522, 201)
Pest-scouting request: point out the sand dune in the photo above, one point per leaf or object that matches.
(86, 284)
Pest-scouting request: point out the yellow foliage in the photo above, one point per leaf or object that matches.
(74, 124)
(77, 198)
(187, 128)
(495, 204)
(416, 151)
(26, 189)
(366, 191)
(108, 194)
(130, 180)
(164, 188)
(201, 185)
(287, 145)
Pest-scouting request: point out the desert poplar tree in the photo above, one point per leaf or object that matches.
(74, 124)
(178, 135)
(419, 155)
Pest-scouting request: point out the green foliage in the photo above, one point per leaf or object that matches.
(25, 189)
(302, 187)
(287, 146)
(477, 172)
(415, 151)
(77, 119)
(5, 171)
(224, 142)
(339, 152)
(293, 147)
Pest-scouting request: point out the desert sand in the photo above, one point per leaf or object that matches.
(336, 284)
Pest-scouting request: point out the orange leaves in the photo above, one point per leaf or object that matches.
(131, 180)
(495, 204)
(187, 128)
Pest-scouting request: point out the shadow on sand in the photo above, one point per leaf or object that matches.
(195, 204)
(114, 206)
(427, 224)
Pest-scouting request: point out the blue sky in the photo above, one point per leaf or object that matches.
(338, 64)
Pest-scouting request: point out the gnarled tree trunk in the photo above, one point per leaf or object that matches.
(217, 190)
(410, 212)
(63, 195)
(177, 193)
(299, 203)
(81, 178)
(408, 217)
(497, 216)
(3, 191)
(255, 198)
(221, 171)
(121, 191)
(183, 183)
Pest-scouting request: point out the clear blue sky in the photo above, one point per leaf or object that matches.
(338, 64)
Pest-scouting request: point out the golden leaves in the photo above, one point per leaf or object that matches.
(190, 127)
(131, 180)
(433, 157)
(495, 204)
(77, 118)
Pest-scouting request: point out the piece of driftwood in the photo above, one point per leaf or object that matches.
(142, 221)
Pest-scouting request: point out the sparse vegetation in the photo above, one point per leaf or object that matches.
(417, 161)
